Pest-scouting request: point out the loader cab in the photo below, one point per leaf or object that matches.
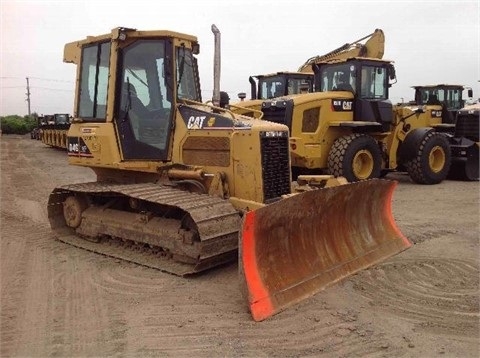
(368, 80)
(62, 118)
(450, 97)
(280, 84)
(151, 74)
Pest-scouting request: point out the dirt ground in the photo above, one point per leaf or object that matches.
(62, 301)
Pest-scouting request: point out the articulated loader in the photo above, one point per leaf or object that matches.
(350, 128)
(278, 84)
(458, 123)
(449, 97)
(183, 186)
(465, 144)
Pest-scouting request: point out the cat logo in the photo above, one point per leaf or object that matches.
(347, 105)
(195, 122)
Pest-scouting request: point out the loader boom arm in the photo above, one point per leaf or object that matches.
(373, 47)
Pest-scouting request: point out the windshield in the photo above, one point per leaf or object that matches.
(271, 87)
(451, 97)
(61, 118)
(337, 78)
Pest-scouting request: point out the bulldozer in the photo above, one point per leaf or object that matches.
(54, 133)
(185, 186)
(278, 84)
(348, 127)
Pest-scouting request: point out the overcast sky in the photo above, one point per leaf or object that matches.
(430, 41)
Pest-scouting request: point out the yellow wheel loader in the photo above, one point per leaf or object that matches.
(465, 144)
(447, 96)
(183, 186)
(350, 128)
(459, 123)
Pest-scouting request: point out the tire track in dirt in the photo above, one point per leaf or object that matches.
(83, 304)
(437, 294)
(43, 277)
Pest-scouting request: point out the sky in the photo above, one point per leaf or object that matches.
(431, 42)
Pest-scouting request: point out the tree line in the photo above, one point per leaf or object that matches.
(15, 124)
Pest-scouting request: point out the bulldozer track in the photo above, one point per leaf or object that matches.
(167, 229)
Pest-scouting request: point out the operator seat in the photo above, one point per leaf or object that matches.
(132, 103)
(343, 84)
(433, 99)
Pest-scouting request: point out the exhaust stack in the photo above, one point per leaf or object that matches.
(216, 67)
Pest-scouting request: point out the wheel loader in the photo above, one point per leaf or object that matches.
(350, 128)
(465, 144)
(183, 186)
(278, 84)
(446, 101)
(449, 97)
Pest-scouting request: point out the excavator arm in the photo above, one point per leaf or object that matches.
(373, 47)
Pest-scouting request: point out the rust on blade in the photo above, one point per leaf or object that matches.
(296, 247)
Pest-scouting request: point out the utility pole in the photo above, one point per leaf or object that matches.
(28, 97)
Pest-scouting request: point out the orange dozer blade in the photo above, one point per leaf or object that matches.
(297, 246)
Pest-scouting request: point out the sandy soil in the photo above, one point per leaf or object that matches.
(58, 300)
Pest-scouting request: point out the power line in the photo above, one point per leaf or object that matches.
(50, 79)
(52, 89)
(36, 78)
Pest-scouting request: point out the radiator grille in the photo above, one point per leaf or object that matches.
(277, 115)
(275, 164)
(468, 125)
(278, 111)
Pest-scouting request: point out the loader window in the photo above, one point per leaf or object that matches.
(94, 82)
(450, 97)
(299, 85)
(337, 78)
(374, 82)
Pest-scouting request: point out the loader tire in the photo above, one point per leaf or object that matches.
(355, 157)
(432, 161)
(466, 168)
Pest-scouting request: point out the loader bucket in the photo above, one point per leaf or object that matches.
(296, 247)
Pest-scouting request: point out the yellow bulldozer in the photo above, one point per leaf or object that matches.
(278, 84)
(184, 186)
(54, 132)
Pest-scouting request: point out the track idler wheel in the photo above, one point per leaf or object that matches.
(73, 208)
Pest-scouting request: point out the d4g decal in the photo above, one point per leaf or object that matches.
(76, 147)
